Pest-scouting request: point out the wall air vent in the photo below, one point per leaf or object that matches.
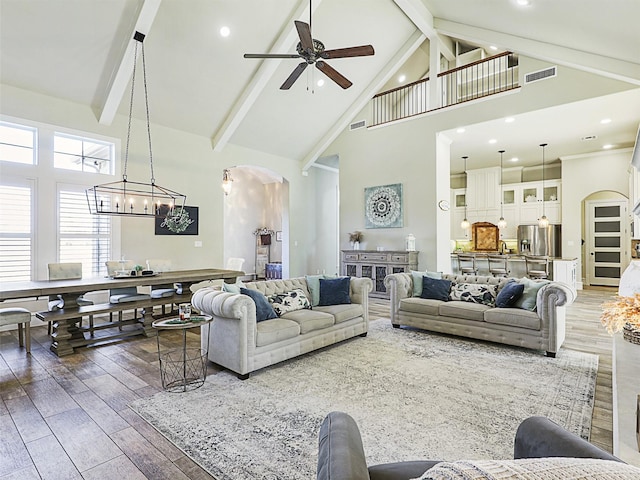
(540, 75)
(589, 137)
(357, 125)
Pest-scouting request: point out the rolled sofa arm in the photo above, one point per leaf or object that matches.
(223, 304)
(555, 294)
(539, 437)
(399, 286)
(359, 289)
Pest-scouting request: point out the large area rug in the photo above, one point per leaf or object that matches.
(415, 395)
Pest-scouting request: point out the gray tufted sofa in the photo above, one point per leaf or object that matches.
(543, 329)
(242, 345)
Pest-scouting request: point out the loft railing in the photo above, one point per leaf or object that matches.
(469, 82)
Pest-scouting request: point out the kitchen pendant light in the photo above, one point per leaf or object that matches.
(137, 199)
(543, 221)
(465, 223)
(502, 223)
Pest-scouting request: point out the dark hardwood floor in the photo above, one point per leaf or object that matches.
(65, 418)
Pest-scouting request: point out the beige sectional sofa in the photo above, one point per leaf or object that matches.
(541, 329)
(242, 345)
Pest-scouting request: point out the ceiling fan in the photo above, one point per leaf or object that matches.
(313, 51)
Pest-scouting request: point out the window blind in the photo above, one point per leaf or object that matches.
(16, 237)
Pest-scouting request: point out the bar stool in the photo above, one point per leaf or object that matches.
(537, 267)
(19, 316)
(498, 265)
(467, 264)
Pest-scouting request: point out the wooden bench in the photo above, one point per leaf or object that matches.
(67, 332)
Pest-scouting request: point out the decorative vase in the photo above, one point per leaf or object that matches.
(356, 245)
(631, 334)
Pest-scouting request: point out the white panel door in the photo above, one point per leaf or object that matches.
(607, 241)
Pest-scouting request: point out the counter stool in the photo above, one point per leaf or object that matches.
(17, 315)
(467, 264)
(537, 267)
(498, 265)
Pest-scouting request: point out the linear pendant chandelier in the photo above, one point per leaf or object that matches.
(136, 199)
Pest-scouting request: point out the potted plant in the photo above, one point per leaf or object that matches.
(355, 238)
(623, 313)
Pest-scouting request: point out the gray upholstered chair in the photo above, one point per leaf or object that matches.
(18, 316)
(66, 271)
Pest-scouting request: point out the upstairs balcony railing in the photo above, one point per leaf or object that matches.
(489, 76)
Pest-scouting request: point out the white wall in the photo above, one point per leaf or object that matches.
(612, 175)
(183, 162)
(406, 152)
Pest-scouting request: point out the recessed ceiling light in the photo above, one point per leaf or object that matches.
(515, 159)
(225, 31)
(509, 119)
(607, 146)
(460, 130)
(604, 121)
(493, 140)
(523, 3)
(320, 82)
(493, 47)
(402, 78)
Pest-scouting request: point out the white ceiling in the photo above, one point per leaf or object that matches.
(199, 81)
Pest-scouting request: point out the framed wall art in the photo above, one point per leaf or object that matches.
(383, 206)
(185, 224)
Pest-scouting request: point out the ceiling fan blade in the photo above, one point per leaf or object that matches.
(304, 32)
(271, 55)
(361, 51)
(333, 74)
(294, 76)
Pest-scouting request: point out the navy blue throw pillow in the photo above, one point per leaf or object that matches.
(509, 294)
(334, 291)
(264, 310)
(435, 289)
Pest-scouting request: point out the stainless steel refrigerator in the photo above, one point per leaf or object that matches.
(534, 240)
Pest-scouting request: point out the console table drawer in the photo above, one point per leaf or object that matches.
(373, 257)
(400, 258)
(351, 257)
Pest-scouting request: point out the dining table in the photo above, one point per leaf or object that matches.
(67, 333)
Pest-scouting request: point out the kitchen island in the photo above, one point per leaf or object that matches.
(560, 269)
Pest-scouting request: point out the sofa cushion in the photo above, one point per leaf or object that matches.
(310, 320)
(465, 310)
(509, 294)
(334, 291)
(342, 313)
(474, 292)
(275, 330)
(528, 299)
(289, 301)
(435, 289)
(313, 285)
(514, 317)
(554, 468)
(420, 305)
(417, 280)
(264, 310)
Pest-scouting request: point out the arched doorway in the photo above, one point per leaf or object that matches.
(258, 199)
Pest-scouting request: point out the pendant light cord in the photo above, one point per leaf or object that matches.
(146, 101)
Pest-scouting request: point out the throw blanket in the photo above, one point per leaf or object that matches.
(533, 469)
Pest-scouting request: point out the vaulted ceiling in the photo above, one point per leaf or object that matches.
(199, 81)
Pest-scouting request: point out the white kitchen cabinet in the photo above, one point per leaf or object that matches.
(483, 188)
(565, 270)
(527, 197)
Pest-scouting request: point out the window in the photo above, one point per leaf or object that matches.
(16, 238)
(82, 237)
(82, 154)
(17, 143)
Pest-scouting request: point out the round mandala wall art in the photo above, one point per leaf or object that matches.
(383, 206)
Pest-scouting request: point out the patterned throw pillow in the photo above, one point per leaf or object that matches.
(474, 293)
(289, 301)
